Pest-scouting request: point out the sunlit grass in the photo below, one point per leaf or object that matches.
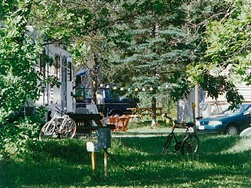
(243, 144)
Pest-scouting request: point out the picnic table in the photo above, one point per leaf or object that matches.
(120, 122)
(89, 122)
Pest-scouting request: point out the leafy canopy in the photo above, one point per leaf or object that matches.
(226, 60)
(19, 52)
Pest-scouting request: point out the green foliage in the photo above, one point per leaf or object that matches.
(157, 49)
(14, 137)
(226, 60)
(150, 42)
(85, 27)
(20, 49)
(18, 55)
(129, 41)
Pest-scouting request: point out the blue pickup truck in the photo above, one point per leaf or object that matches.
(108, 102)
(116, 106)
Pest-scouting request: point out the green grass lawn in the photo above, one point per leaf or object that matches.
(222, 161)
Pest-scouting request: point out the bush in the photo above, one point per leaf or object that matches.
(15, 135)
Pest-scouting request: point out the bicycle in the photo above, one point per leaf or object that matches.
(59, 127)
(189, 143)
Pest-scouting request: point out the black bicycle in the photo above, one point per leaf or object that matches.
(189, 143)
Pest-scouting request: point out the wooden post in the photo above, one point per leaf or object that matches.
(195, 106)
(93, 158)
(196, 101)
(105, 164)
(194, 118)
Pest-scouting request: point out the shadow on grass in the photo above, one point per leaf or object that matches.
(67, 150)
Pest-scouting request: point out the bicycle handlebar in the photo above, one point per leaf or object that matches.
(177, 124)
(56, 110)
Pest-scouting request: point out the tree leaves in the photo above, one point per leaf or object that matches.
(226, 58)
(19, 54)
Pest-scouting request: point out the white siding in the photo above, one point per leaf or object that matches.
(61, 95)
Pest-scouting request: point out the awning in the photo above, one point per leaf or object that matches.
(82, 72)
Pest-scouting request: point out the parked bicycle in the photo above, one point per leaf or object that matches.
(61, 126)
(189, 143)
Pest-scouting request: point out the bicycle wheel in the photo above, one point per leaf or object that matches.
(190, 144)
(47, 131)
(167, 143)
(68, 129)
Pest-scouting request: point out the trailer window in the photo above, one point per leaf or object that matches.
(43, 62)
(69, 71)
(57, 65)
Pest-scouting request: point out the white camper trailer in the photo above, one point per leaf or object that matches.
(62, 68)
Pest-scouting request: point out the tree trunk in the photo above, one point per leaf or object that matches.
(95, 79)
(94, 91)
(154, 119)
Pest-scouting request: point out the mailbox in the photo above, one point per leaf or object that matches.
(104, 138)
(92, 147)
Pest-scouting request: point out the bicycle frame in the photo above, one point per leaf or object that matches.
(186, 143)
(58, 127)
(178, 143)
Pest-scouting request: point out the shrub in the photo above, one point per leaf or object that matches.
(15, 135)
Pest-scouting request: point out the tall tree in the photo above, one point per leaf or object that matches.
(158, 50)
(225, 60)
